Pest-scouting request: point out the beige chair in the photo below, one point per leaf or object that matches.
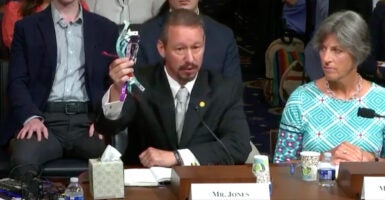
(254, 151)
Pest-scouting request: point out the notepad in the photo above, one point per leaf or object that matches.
(146, 176)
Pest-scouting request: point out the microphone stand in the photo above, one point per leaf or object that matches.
(230, 158)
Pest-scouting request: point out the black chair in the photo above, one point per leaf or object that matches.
(64, 167)
(59, 168)
(4, 163)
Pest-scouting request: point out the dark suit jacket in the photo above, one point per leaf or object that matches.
(377, 33)
(33, 58)
(221, 50)
(363, 7)
(150, 118)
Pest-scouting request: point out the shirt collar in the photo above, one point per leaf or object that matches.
(174, 85)
(58, 19)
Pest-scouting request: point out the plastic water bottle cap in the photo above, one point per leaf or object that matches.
(74, 179)
(328, 154)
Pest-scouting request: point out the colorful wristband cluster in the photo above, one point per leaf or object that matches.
(127, 45)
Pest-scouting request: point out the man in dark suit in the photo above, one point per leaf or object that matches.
(56, 76)
(214, 104)
(221, 51)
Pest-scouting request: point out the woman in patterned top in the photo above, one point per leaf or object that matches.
(322, 115)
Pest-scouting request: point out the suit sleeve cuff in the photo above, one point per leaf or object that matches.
(33, 117)
(111, 110)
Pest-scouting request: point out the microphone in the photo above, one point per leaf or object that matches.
(196, 108)
(368, 113)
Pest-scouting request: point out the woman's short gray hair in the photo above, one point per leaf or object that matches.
(351, 32)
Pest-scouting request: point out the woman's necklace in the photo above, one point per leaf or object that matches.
(354, 95)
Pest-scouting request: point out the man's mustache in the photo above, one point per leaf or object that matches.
(188, 66)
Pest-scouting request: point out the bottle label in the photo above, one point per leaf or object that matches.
(327, 174)
(75, 198)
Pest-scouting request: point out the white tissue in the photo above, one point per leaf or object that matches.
(110, 154)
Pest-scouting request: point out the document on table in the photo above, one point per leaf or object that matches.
(146, 176)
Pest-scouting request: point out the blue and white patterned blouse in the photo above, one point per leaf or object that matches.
(313, 121)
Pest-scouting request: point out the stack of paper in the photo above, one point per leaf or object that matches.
(146, 176)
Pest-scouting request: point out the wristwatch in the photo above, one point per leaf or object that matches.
(178, 158)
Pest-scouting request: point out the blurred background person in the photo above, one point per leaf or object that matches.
(322, 115)
(221, 50)
(3, 50)
(56, 77)
(294, 18)
(15, 10)
(377, 56)
(133, 11)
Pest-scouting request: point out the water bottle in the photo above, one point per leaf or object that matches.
(74, 191)
(326, 171)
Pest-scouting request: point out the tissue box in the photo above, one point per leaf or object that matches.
(106, 179)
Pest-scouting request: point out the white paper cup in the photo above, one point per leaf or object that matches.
(261, 168)
(309, 165)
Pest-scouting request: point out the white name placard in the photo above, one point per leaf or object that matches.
(229, 191)
(373, 188)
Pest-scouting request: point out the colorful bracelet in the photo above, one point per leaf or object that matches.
(123, 92)
(127, 45)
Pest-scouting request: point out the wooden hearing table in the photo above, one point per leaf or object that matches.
(285, 186)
